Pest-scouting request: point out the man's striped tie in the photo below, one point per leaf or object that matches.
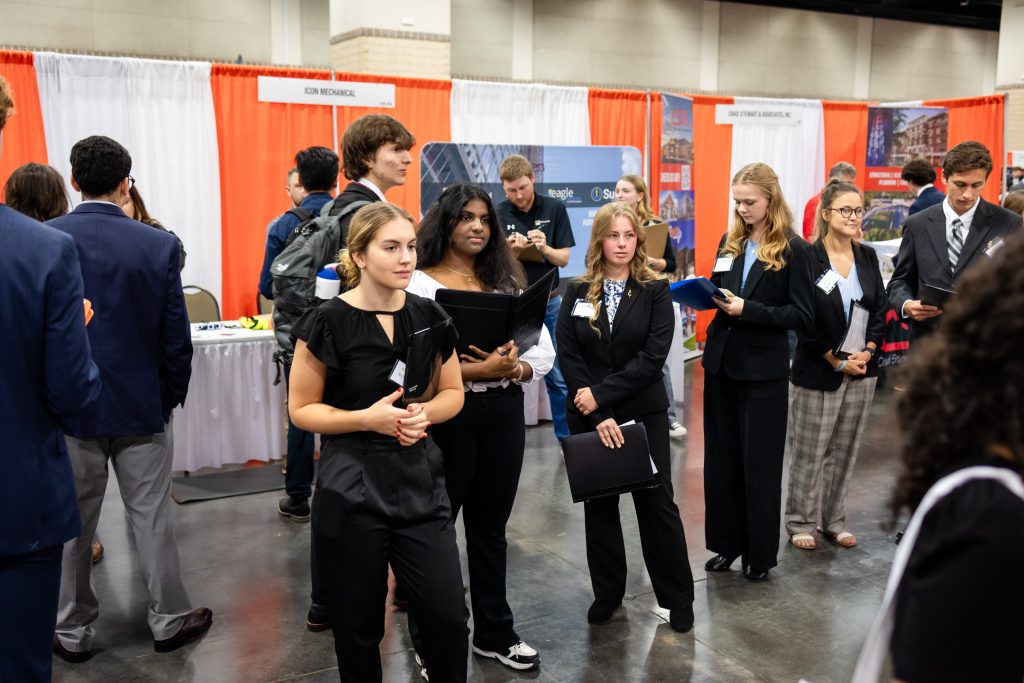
(956, 243)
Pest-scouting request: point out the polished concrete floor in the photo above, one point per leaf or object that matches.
(249, 565)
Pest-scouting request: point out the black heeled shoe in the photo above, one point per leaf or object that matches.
(754, 574)
(720, 563)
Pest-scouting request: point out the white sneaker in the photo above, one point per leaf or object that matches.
(423, 668)
(520, 656)
(677, 430)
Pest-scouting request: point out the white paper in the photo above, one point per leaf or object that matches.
(856, 331)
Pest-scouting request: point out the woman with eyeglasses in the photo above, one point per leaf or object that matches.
(832, 390)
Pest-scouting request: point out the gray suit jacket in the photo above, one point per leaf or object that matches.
(923, 257)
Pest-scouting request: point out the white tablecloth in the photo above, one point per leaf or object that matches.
(536, 405)
(233, 412)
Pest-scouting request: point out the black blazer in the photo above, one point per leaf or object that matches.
(923, 258)
(810, 370)
(622, 367)
(755, 346)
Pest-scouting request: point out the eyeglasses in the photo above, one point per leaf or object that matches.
(131, 182)
(846, 212)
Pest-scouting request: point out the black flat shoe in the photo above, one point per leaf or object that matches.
(601, 612)
(681, 619)
(754, 574)
(719, 563)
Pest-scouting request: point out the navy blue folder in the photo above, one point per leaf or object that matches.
(696, 293)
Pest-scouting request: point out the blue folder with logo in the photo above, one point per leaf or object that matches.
(696, 293)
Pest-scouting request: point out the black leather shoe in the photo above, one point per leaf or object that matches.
(681, 619)
(196, 624)
(296, 509)
(318, 618)
(600, 612)
(719, 563)
(755, 574)
(69, 655)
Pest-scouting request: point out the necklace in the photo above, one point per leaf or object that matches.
(469, 278)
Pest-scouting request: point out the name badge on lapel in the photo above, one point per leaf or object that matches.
(723, 264)
(827, 281)
(583, 309)
(994, 246)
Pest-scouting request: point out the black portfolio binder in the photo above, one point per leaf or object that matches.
(596, 471)
(423, 359)
(487, 320)
(933, 295)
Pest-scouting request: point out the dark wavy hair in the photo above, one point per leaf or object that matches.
(38, 191)
(965, 382)
(99, 164)
(495, 266)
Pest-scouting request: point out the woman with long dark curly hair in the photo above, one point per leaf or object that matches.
(955, 598)
(460, 246)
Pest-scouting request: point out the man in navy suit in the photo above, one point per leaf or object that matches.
(48, 375)
(141, 343)
(920, 179)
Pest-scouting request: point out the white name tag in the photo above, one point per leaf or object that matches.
(723, 264)
(993, 247)
(583, 309)
(398, 373)
(828, 281)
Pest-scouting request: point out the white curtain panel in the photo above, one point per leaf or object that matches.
(519, 114)
(796, 151)
(162, 112)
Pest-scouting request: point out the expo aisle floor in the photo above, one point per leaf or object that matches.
(249, 565)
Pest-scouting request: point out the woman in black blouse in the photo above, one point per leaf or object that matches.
(381, 495)
(614, 332)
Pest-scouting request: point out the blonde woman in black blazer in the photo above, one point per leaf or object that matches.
(614, 333)
(832, 395)
(764, 265)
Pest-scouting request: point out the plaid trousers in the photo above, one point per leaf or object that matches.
(824, 436)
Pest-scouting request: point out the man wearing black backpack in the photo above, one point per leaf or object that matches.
(318, 174)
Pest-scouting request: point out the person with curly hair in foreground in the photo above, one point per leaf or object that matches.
(952, 608)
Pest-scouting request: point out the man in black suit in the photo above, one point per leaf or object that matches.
(942, 241)
(920, 179)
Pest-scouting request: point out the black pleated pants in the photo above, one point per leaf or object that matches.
(378, 503)
(661, 530)
(744, 443)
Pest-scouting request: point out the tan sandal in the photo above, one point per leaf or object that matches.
(804, 541)
(844, 539)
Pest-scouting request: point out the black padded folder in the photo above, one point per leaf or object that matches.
(596, 471)
(423, 358)
(933, 295)
(487, 320)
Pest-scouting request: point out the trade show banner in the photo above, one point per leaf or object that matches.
(896, 136)
(583, 178)
(675, 194)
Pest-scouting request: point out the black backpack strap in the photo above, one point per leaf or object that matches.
(300, 213)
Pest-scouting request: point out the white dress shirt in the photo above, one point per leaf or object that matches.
(376, 190)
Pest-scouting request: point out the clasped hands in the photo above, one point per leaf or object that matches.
(856, 363)
(408, 424)
(518, 241)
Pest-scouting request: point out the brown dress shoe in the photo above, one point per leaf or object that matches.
(196, 624)
(70, 655)
(97, 551)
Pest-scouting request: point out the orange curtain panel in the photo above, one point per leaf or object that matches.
(712, 154)
(846, 134)
(980, 119)
(424, 107)
(23, 139)
(618, 117)
(257, 142)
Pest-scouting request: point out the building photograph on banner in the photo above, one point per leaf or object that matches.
(583, 178)
(675, 194)
(897, 135)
